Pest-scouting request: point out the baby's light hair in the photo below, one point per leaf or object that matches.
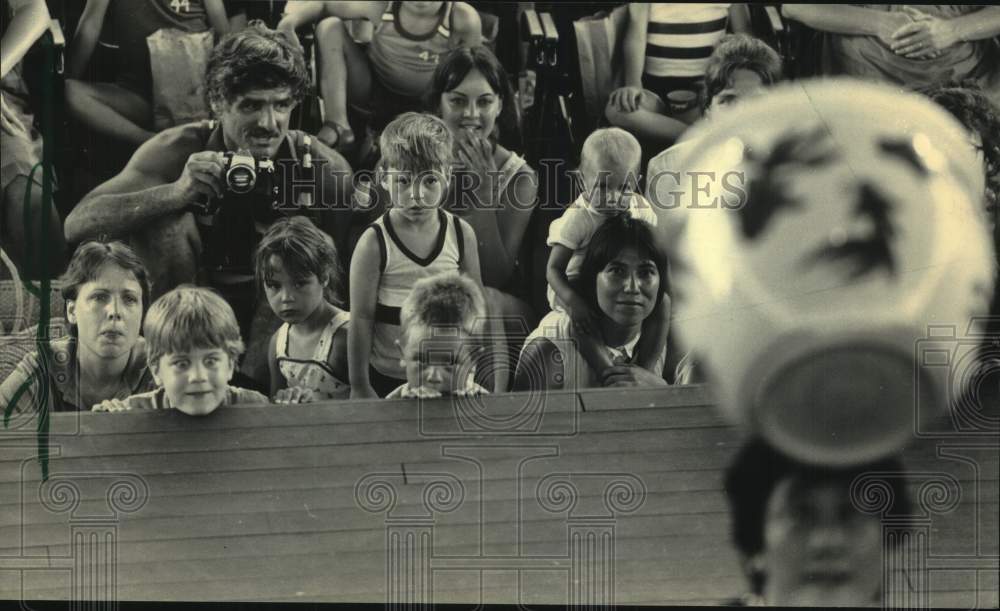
(303, 249)
(611, 149)
(451, 299)
(417, 143)
(190, 317)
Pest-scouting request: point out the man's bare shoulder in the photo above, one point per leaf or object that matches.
(166, 153)
(188, 138)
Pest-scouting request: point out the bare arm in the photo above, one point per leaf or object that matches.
(147, 189)
(635, 43)
(364, 280)
(979, 25)
(518, 202)
(26, 27)
(842, 19)
(338, 353)
(470, 266)
(467, 25)
(301, 12)
(739, 19)
(277, 380)
(217, 17)
(85, 39)
(555, 273)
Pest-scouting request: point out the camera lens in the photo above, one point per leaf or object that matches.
(242, 174)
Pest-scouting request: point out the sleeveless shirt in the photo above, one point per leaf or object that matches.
(314, 373)
(401, 269)
(403, 62)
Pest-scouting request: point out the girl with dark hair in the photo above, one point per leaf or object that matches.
(298, 270)
(621, 278)
(103, 357)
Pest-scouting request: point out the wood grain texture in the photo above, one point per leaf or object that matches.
(268, 503)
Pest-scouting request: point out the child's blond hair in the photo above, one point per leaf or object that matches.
(417, 142)
(450, 299)
(190, 317)
(611, 148)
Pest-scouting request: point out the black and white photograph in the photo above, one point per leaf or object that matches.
(400, 304)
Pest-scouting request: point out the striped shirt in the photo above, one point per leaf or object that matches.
(681, 37)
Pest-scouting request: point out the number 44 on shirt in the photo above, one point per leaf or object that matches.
(180, 6)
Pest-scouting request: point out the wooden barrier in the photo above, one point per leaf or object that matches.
(594, 497)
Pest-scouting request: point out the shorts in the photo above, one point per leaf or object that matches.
(382, 383)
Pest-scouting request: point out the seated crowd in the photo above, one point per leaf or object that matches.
(434, 102)
(190, 286)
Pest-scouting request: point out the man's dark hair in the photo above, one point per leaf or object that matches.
(739, 52)
(616, 234)
(256, 57)
(758, 469)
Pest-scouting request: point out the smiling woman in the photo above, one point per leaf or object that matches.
(105, 289)
(620, 278)
(472, 93)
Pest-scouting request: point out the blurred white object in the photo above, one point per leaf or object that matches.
(831, 293)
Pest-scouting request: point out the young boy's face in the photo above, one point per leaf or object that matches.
(438, 360)
(195, 381)
(607, 190)
(415, 195)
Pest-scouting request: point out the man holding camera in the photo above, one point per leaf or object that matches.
(194, 199)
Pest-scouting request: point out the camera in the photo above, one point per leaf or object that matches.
(966, 367)
(246, 174)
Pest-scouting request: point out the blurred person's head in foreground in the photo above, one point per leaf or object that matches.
(802, 536)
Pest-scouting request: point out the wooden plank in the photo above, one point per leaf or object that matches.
(409, 501)
(669, 397)
(143, 462)
(308, 578)
(336, 435)
(277, 416)
(341, 576)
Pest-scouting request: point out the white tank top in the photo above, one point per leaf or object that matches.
(401, 269)
(314, 373)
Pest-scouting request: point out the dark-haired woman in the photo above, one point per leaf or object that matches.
(620, 277)
(103, 357)
(492, 188)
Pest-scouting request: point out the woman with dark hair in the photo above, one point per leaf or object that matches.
(492, 188)
(621, 278)
(472, 93)
(106, 293)
(804, 532)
